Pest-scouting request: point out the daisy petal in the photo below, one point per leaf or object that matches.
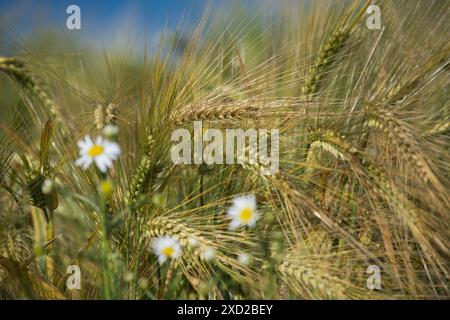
(100, 164)
(234, 224)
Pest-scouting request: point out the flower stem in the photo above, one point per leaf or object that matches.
(50, 264)
(106, 251)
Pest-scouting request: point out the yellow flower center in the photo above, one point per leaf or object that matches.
(168, 251)
(246, 214)
(95, 150)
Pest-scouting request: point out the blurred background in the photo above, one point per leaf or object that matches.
(127, 30)
(37, 30)
(105, 24)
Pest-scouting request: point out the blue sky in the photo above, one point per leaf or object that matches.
(104, 22)
(23, 15)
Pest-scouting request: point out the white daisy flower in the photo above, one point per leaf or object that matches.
(102, 152)
(243, 212)
(166, 247)
(244, 258)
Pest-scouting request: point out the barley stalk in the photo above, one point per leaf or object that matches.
(384, 120)
(105, 116)
(387, 191)
(17, 70)
(439, 128)
(328, 54)
(310, 281)
(242, 109)
(164, 225)
(141, 178)
(161, 226)
(402, 90)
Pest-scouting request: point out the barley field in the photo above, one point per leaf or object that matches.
(92, 205)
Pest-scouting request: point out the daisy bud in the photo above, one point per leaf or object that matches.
(47, 186)
(244, 258)
(129, 276)
(158, 200)
(106, 188)
(143, 283)
(193, 242)
(110, 131)
(208, 254)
